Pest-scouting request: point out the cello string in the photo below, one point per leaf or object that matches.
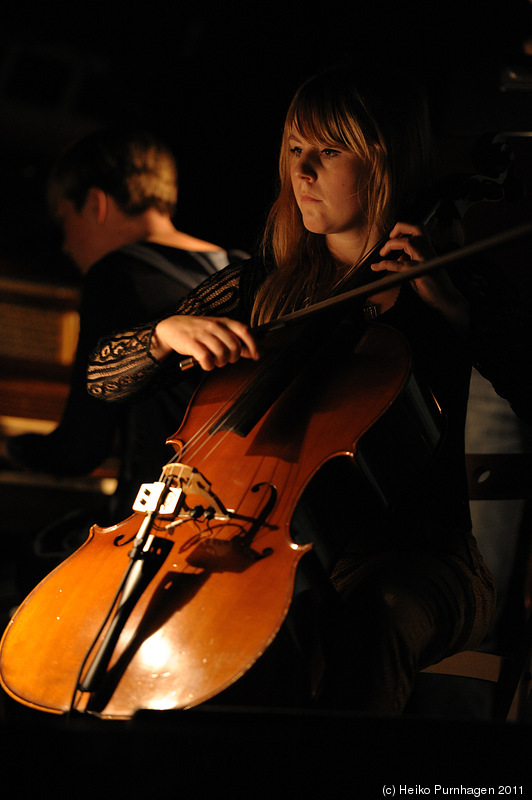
(202, 436)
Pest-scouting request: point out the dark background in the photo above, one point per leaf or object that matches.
(215, 79)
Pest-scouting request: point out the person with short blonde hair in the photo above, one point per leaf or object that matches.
(137, 169)
(113, 194)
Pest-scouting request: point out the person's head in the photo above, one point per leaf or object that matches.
(381, 123)
(135, 171)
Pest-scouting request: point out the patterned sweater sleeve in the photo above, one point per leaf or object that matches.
(122, 364)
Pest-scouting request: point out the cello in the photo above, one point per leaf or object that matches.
(176, 603)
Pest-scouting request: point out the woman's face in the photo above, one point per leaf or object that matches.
(326, 182)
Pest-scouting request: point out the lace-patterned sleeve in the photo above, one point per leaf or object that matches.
(122, 364)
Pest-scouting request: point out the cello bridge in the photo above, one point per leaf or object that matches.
(185, 483)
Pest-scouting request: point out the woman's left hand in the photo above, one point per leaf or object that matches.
(436, 289)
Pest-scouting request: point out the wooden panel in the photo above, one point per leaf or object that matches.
(38, 322)
(32, 399)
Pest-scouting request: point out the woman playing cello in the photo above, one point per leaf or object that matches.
(410, 583)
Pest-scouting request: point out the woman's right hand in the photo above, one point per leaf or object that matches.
(211, 341)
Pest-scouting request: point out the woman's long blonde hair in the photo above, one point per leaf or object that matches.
(387, 126)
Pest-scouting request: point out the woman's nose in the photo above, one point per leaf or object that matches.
(305, 167)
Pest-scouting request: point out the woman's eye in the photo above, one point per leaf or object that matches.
(326, 152)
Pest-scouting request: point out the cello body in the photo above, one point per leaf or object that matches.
(217, 583)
